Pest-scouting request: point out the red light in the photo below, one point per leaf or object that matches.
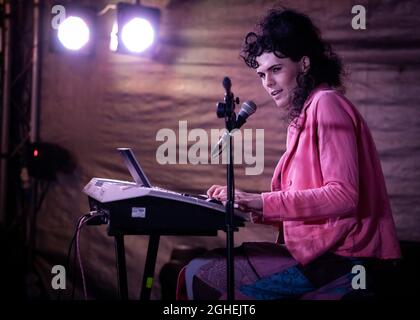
(35, 153)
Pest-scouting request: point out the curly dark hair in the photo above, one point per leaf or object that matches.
(290, 34)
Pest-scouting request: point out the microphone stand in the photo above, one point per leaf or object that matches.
(226, 110)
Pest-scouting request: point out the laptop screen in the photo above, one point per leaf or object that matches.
(134, 167)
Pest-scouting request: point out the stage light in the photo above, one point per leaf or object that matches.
(130, 35)
(45, 160)
(75, 31)
(137, 29)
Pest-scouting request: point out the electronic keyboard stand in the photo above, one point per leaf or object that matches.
(121, 267)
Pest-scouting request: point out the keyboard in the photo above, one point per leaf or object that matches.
(134, 209)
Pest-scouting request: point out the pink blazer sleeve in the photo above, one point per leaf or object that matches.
(336, 192)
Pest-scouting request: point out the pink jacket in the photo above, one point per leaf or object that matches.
(328, 189)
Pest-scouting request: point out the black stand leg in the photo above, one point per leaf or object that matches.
(149, 268)
(121, 267)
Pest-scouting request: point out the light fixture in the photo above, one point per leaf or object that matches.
(73, 33)
(45, 160)
(137, 29)
(76, 31)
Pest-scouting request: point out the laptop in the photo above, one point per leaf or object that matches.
(134, 167)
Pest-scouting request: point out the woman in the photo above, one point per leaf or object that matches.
(328, 194)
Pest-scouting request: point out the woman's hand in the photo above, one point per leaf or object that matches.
(248, 202)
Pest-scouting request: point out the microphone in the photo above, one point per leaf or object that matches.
(248, 108)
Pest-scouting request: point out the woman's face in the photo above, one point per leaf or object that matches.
(278, 76)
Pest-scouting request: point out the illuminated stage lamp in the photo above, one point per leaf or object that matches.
(75, 31)
(137, 29)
